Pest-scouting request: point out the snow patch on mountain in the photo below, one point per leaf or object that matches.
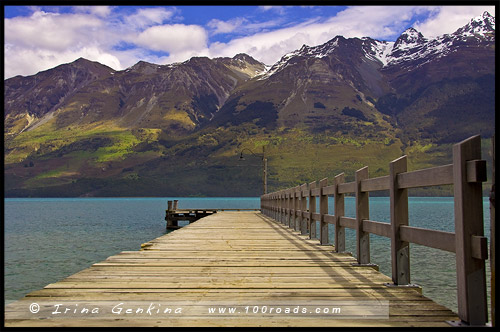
(411, 46)
(381, 51)
(481, 26)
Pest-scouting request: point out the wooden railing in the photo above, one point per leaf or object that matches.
(296, 207)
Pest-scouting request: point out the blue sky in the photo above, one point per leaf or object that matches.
(41, 37)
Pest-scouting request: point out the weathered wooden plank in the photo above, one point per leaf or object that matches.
(347, 222)
(316, 216)
(303, 208)
(428, 237)
(377, 227)
(400, 249)
(395, 294)
(316, 192)
(437, 321)
(339, 213)
(468, 209)
(218, 259)
(362, 212)
(374, 184)
(329, 218)
(349, 187)
(311, 225)
(323, 210)
(329, 190)
(434, 176)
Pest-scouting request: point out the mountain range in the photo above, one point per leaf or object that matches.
(84, 129)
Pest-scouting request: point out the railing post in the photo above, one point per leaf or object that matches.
(275, 206)
(323, 210)
(471, 280)
(339, 212)
(278, 203)
(362, 212)
(290, 206)
(262, 203)
(283, 207)
(268, 205)
(303, 208)
(312, 209)
(400, 250)
(297, 219)
(285, 204)
(168, 218)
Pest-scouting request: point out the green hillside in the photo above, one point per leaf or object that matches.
(109, 161)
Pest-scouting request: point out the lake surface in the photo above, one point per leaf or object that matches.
(48, 239)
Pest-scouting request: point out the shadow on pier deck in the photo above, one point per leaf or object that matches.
(259, 272)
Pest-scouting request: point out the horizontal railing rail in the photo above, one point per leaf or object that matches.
(296, 208)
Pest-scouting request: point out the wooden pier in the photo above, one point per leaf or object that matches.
(271, 268)
(231, 259)
(174, 215)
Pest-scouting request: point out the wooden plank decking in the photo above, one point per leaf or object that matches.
(226, 260)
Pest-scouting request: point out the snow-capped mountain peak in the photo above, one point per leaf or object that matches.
(412, 45)
(481, 25)
(410, 50)
(409, 38)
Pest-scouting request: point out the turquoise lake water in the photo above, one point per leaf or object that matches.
(48, 239)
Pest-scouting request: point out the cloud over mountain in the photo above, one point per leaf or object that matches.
(121, 36)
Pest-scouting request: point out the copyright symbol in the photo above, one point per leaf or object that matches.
(34, 308)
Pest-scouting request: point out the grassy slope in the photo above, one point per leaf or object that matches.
(105, 160)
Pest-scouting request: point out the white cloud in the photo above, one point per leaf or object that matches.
(267, 47)
(278, 9)
(51, 31)
(101, 11)
(219, 26)
(173, 38)
(240, 26)
(45, 40)
(145, 17)
(381, 22)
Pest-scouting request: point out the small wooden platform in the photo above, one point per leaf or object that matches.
(229, 259)
(174, 216)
